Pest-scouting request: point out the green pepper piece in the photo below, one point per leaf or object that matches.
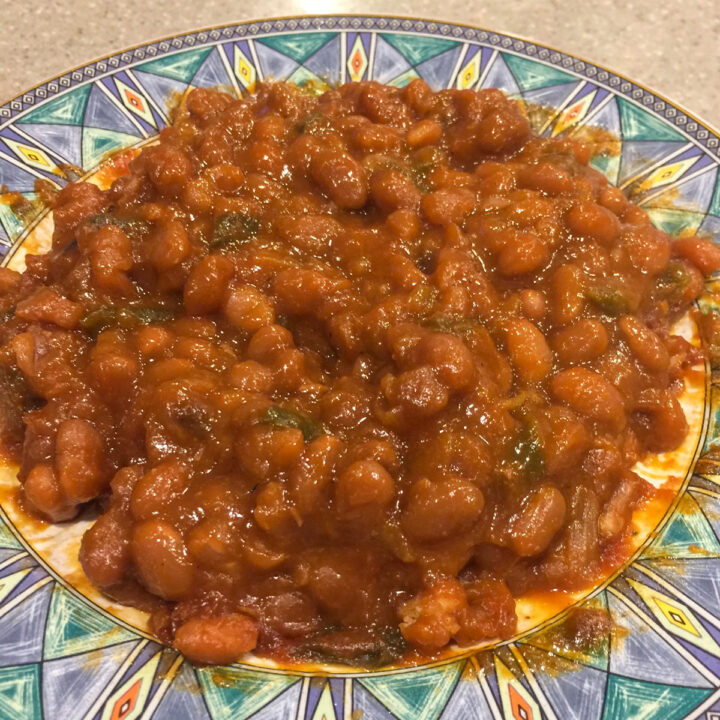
(99, 319)
(8, 314)
(313, 124)
(348, 647)
(673, 281)
(281, 417)
(610, 300)
(132, 226)
(450, 324)
(424, 162)
(107, 316)
(233, 230)
(527, 452)
(149, 315)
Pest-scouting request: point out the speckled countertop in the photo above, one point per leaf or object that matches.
(668, 45)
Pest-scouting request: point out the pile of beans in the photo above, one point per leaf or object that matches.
(346, 373)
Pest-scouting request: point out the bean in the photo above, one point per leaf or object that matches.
(446, 206)
(168, 245)
(583, 341)
(534, 304)
(226, 178)
(267, 341)
(251, 375)
(613, 199)
(263, 450)
(309, 233)
(405, 224)
(617, 512)
(525, 252)
(441, 509)
(105, 549)
(155, 490)
(152, 341)
(216, 640)
(451, 359)
(594, 222)
(206, 284)
(47, 306)
(702, 252)
(547, 178)
(161, 560)
(376, 138)
(314, 472)
(301, 291)
(110, 259)
(537, 523)
(168, 167)
(80, 460)
(425, 132)
(659, 421)
(44, 494)
(340, 177)
(419, 95)
(567, 441)
(420, 393)
(644, 344)
(647, 248)
(589, 394)
(364, 483)
(392, 190)
(248, 309)
(528, 350)
(567, 294)
(211, 543)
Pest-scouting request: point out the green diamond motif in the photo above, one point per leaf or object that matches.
(638, 124)
(714, 208)
(14, 226)
(180, 66)
(420, 695)
(416, 48)
(405, 79)
(532, 75)
(303, 75)
(65, 110)
(299, 47)
(687, 535)
(20, 693)
(608, 165)
(641, 700)
(96, 144)
(233, 693)
(73, 627)
(675, 222)
(7, 539)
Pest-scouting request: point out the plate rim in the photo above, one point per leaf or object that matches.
(329, 16)
(233, 37)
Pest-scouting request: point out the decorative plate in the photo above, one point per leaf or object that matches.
(67, 653)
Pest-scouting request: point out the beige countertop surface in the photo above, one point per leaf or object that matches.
(670, 46)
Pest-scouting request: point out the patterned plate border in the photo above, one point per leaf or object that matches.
(668, 663)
